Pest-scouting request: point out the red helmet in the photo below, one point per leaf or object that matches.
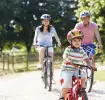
(75, 33)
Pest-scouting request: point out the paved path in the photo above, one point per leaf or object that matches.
(29, 86)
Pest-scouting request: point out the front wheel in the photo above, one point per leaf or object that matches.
(90, 80)
(45, 76)
(50, 76)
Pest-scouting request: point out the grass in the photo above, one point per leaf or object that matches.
(21, 67)
(100, 75)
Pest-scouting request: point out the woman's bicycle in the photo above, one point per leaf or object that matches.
(77, 92)
(47, 70)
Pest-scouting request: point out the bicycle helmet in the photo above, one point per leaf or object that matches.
(84, 14)
(75, 33)
(45, 16)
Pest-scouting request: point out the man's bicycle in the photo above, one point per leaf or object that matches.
(47, 70)
(77, 92)
(89, 49)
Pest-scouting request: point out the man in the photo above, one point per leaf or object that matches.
(90, 30)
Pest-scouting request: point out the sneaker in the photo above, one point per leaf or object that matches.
(42, 75)
(61, 98)
(39, 66)
(53, 81)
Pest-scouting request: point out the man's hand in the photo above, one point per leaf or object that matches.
(100, 47)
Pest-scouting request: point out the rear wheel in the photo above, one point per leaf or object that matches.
(45, 79)
(90, 80)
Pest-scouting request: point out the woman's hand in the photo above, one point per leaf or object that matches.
(59, 44)
(35, 45)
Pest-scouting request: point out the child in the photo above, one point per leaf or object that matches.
(73, 54)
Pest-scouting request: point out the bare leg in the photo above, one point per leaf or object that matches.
(83, 82)
(64, 91)
(41, 51)
(51, 54)
(93, 60)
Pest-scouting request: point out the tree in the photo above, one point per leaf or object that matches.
(29, 14)
(21, 17)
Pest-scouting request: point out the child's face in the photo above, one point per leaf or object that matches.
(76, 42)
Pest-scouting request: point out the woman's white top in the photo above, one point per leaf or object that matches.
(45, 38)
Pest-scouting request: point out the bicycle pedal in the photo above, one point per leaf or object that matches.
(61, 98)
(80, 91)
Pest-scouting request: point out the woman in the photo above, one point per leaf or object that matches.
(43, 36)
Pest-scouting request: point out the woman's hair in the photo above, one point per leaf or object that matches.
(42, 27)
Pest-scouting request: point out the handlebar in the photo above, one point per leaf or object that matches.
(46, 46)
(89, 67)
(81, 66)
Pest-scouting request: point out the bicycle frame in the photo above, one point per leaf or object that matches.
(76, 85)
(46, 58)
(74, 92)
(47, 68)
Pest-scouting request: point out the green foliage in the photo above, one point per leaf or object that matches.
(17, 28)
(97, 11)
(99, 74)
(19, 18)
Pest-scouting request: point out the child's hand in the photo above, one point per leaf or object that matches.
(94, 68)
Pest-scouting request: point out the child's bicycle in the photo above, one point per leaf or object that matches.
(47, 71)
(77, 92)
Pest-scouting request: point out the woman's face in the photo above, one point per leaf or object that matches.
(76, 42)
(46, 22)
(85, 20)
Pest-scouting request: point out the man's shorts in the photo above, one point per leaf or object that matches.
(89, 49)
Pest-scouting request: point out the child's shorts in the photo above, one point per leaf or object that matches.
(67, 77)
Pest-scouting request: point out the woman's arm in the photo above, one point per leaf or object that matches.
(56, 37)
(35, 37)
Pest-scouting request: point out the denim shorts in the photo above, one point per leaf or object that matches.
(89, 49)
(50, 49)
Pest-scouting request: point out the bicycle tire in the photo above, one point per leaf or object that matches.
(45, 74)
(50, 75)
(89, 82)
(84, 96)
